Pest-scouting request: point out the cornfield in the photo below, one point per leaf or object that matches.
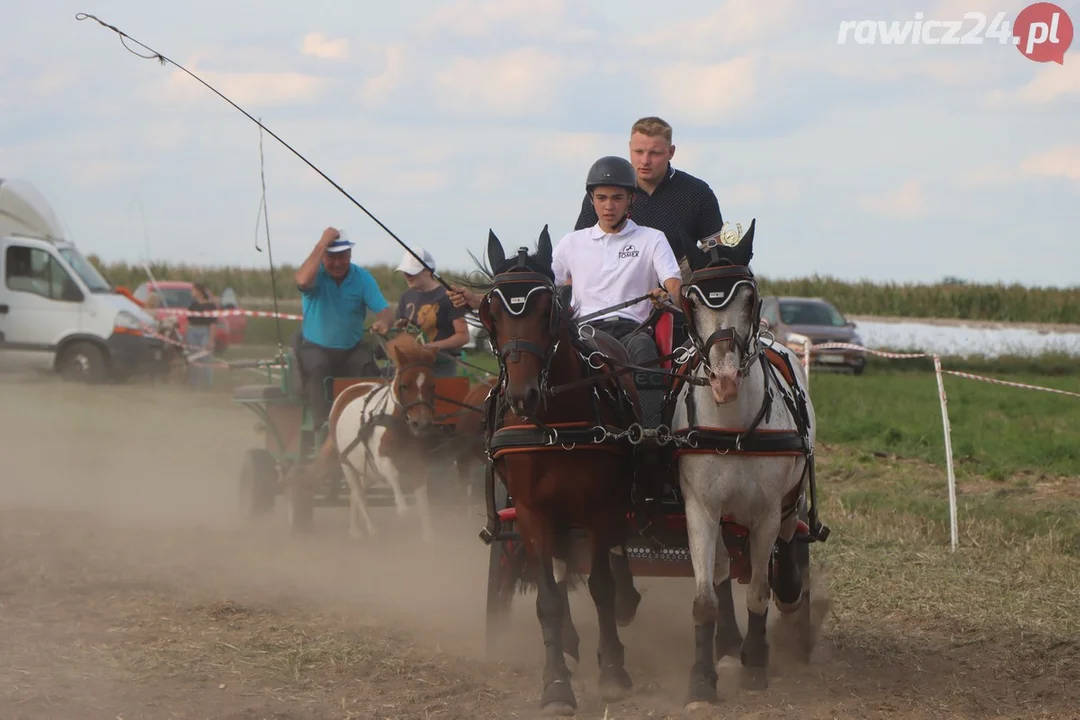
(947, 299)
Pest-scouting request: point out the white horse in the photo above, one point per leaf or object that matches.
(754, 481)
(377, 432)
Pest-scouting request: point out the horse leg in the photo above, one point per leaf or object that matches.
(703, 532)
(615, 682)
(557, 697)
(755, 649)
(728, 637)
(357, 504)
(423, 506)
(571, 642)
(791, 585)
(390, 472)
(627, 597)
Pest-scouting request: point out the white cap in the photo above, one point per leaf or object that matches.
(411, 266)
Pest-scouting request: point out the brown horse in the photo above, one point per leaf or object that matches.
(379, 433)
(564, 468)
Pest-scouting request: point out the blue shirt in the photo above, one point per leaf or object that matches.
(334, 314)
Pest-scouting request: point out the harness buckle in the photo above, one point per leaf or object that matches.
(583, 336)
(635, 434)
(596, 353)
(684, 354)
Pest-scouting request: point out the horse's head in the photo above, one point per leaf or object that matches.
(723, 310)
(522, 315)
(413, 386)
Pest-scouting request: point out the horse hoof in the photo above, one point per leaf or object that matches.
(558, 698)
(626, 605)
(615, 684)
(788, 608)
(702, 695)
(754, 679)
(558, 710)
(728, 662)
(699, 706)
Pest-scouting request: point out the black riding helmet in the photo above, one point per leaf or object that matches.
(611, 170)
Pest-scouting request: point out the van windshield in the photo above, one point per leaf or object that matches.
(89, 274)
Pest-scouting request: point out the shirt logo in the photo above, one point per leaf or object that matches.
(628, 252)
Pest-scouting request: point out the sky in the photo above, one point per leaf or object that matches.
(903, 162)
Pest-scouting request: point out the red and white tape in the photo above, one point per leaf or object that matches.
(229, 313)
(995, 381)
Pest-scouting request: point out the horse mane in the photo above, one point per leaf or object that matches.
(411, 350)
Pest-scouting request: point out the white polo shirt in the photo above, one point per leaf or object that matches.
(607, 269)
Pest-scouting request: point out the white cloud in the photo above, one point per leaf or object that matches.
(575, 150)
(735, 24)
(1053, 81)
(320, 46)
(485, 19)
(515, 84)
(907, 202)
(705, 94)
(262, 89)
(988, 177)
(1063, 161)
(377, 90)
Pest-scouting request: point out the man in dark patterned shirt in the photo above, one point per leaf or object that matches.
(672, 201)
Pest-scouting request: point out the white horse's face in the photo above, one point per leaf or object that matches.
(725, 357)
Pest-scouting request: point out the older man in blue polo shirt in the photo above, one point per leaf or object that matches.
(336, 297)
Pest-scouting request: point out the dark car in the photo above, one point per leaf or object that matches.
(818, 320)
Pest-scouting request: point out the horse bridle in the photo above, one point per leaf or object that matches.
(405, 407)
(514, 288)
(715, 286)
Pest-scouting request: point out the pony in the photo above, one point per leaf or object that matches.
(745, 464)
(551, 439)
(377, 432)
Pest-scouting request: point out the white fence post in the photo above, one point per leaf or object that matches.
(948, 452)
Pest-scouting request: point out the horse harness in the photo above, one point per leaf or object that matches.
(715, 286)
(514, 288)
(395, 419)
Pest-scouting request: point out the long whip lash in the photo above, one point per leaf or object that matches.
(269, 250)
(155, 55)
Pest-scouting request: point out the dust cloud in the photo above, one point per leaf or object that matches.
(146, 476)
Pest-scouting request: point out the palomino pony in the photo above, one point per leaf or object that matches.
(745, 465)
(563, 465)
(377, 431)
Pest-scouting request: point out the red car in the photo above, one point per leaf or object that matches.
(177, 295)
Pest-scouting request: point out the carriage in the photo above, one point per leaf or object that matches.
(580, 464)
(663, 552)
(291, 441)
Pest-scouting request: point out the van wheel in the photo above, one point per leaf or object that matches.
(83, 362)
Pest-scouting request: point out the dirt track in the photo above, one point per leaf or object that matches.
(129, 590)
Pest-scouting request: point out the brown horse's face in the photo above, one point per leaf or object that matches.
(414, 390)
(525, 341)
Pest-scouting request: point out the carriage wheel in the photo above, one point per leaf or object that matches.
(258, 483)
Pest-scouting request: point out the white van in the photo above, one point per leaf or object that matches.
(56, 310)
